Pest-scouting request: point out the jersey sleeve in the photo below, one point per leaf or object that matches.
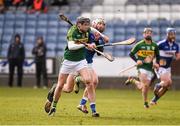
(91, 38)
(177, 49)
(157, 53)
(71, 36)
(133, 52)
(135, 49)
(160, 45)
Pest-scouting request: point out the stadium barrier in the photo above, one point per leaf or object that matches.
(108, 72)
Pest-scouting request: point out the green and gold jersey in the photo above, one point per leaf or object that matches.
(146, 53)
(75, 35)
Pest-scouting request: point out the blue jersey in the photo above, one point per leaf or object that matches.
(167, 52)
(89, 53)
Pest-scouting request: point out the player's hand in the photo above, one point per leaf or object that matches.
(178, 56)
(156, 66)
(91, 46)
(139, 62)
(78, 42)
(106, 39)
(97, 36)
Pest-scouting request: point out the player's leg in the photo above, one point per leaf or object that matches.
(50, 98)
(145, 79)
(161, 88)
(82, 106)
(66, 68)
(67, 88)
(57, 94)
(95, 78)
(77, 80)
(95, 83)
(69, 85)
(90, 90)
(83, 101)
(132, 80)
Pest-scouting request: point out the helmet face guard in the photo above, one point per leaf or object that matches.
(171, 34)
(98, 20)
(99, 24)
(83, 20)
(168, 30)
(147, 30)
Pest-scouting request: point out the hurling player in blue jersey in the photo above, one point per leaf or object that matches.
(169, 50)
(98, 24)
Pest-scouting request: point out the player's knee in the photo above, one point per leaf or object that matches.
(169, 84)
(89, 85)
(68, 90)
(95, 83)
(87, 80)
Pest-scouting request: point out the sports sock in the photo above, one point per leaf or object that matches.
(93, 107)
(78, 79)
(83, 101)
(146, 104)
(158, 85)
(133, 81)
(54, 104)
(155, 98)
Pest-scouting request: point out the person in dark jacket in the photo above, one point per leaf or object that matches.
(16, 56)
(40, 59)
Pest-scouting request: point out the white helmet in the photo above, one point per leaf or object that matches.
(98, 20)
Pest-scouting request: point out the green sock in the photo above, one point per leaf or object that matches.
(79, 79)
(54, 104)
(133, 81)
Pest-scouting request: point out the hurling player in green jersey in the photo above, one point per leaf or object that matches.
(74, 60)
(73, 79)
(144, 53)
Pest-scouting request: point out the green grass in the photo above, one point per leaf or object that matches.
(117, 107)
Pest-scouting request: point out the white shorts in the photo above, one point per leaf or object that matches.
(72, 67)
(149, 74)
(162, 71)
(90, 66)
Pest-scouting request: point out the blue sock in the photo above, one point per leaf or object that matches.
(83, 101)
(155, 98)
(93, 107)
(158, 85)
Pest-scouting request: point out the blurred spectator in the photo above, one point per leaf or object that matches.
(37, 5)
(40, 59)
(18, 3)
(8, 3)
(58, 2)
(2, 6)
(16, 56)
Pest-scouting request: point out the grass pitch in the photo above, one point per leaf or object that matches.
(116, 107)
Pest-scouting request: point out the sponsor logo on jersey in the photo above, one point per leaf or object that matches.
(82, 40)
(145, 53)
